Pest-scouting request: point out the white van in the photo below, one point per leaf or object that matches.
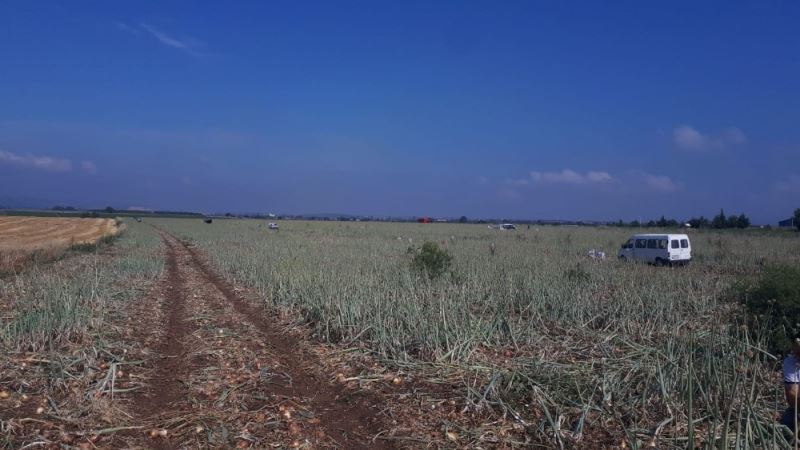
(658, 249)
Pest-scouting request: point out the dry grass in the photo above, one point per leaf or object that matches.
(578, 353)
(28, 239)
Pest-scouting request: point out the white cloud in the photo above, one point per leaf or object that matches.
(734, 136)
(46, 163)
(598, 177)
(89, 167)
(790, 185)
(568, 176)
(661, 183)
(686, 137)
(186, 45)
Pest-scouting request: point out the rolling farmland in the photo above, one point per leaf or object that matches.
(323, 335)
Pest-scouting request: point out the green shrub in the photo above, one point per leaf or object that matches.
(430, 260)
(773, 304)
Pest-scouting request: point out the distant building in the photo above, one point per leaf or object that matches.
(788, 223)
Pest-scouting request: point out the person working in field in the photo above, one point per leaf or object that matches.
(791, 382)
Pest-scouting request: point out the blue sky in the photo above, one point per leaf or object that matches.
(530, 109)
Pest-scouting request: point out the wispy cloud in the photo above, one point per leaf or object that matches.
(569, 176)
(185, 44)
(634, 179)
(46, 163)
(688, 138)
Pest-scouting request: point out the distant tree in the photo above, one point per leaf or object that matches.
(228, 215)
(698, 222)
(797, 218)
(719, 221)
(463, 219)
(652, 224)
(732, 222)
(109, 209)
(742, 221)
(635, 224)
(662, 222)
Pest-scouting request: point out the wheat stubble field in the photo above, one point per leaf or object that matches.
(23, 238)
(181, 334)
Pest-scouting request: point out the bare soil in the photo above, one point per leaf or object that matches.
(225, 375)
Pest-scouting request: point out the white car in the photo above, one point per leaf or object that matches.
(658, 249)
(273, 226)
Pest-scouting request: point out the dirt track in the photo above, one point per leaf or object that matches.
(226, 375)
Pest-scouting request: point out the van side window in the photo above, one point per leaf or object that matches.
(641, 243)
(662, 244)
(628, 244)
(652, 243)
(684, 243)
(676, 243)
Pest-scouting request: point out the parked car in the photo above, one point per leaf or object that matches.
(508, 226)
(658, 249)
(273, 226)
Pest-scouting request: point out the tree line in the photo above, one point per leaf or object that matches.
(720, 221)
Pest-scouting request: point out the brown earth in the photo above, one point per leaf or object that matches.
(225, 376)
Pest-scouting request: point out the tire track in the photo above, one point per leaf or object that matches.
(349, 419)
(227, 376)
(167, 389)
